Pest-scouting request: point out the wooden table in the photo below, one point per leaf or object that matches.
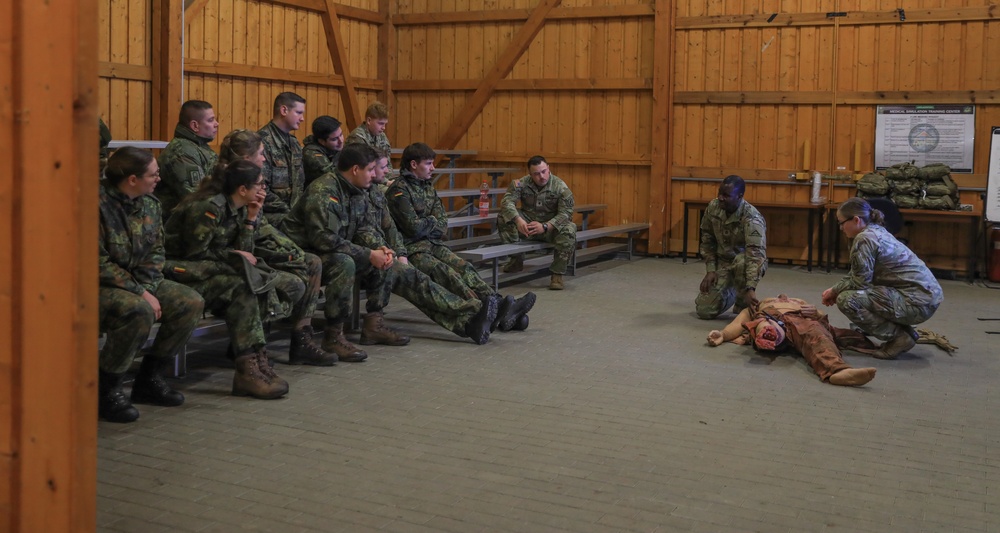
(814, 211)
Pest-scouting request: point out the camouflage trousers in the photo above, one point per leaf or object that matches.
(562, 237)
(730, 283)
(882, 312)
(228, 296)
(820, 343)
(450, 271)
(126, 318)
(340, 273)
(309, 271)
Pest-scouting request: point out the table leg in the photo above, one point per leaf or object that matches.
(973, 233)
(809, 254)
(684, 239)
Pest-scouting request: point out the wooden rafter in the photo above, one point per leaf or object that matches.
(168, 19)
(659, 183)
(341, 63)
(475, 104)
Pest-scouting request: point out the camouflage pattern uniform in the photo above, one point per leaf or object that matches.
(334, 222)
(422, 220)
(734, 247)
(201, 238)
(105, 140)
(552, 205)
(283, 172)
(184, 163)
(361, 135)
(281, 253)
(131, 263)
(889, 288)
(316, 159)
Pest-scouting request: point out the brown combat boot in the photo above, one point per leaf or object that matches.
(556, 282)
(514, 264)
(903, 342)
(374, 331)
(266, 367)
(249, 380)
(303, 351)
(336, 342)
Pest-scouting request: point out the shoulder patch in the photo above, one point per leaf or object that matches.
(335, 200)
(210, 215)
(400, 193)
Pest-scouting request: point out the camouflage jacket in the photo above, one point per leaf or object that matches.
(317, 160)
(184, 163)
(381, 229)
(551, 204)
(131, 240)
(329, 217)
(418, 211)
(878, 259)
(725, 236)
(361, 135)
(201, 236)
(283, 172)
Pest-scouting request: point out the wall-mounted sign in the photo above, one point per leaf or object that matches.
(925, 134)
(992, 207)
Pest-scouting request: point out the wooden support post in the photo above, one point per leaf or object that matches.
(475, 104)
(48, 265)
(386, 54)
(659, 182)
(168, 88)
(348, 93)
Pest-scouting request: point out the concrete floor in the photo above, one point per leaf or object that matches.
(609, 414)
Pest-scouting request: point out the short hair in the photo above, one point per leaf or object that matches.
(536, 160)
(192, 110)
(127, 161)
(324, 126)
(377, 110)
(355, 154)
(287, 99)
(382, 153)
(416, 152)
(735, 182)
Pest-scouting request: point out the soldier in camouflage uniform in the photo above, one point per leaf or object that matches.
(283, 172)
(421, 218)
(105, 139)
(889, 289)
(209, 239)
(734, 245)
(133, 294)
(283, 254)
(320, 150)
(546, 214)
(372, 131)
(333, 221)
(783, 321)
(187, 159)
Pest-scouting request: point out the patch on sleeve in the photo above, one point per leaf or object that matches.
(180, 270)
(210, 215)
(335, 200)
(398, 194)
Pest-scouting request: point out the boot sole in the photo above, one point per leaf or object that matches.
(527, 305)
(310, 362)
(242, 393)
(367, 342)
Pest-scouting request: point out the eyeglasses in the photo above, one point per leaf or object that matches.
(842, 222)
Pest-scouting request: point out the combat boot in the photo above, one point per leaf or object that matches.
(336, 342)
(514, 264)
(266, 366)
(520, 308)
(112, 405)
(150, 387)
(249, 380)
(374, 331)
(504, 303)
(304, 351)
(903, 342)
(556, 282)
(478, 327)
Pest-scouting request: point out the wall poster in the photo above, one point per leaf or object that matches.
(925, 134)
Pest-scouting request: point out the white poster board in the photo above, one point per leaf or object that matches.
(925, 134)
(992, 207)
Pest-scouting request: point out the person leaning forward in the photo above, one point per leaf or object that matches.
(333, 222)
(734, 245)
(133, 294)
(545, 214)
(187, 159)
(321, 149)
(283, 172)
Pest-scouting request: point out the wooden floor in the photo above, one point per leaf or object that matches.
(609, 414)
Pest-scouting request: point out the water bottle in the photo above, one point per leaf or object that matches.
(484, 200)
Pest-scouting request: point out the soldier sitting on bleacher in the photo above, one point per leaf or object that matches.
(421, 218)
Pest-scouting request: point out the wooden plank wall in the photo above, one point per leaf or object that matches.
(580, 94)
(750, 94)
(124, 54)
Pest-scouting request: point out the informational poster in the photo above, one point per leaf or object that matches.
(925, 134)
(993, 179)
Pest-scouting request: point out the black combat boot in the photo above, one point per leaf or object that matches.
(478, 327)
(304, 351)
(150, 387)
(112, 404)
(504, 303)
(520, 308)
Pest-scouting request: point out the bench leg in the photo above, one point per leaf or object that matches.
(496, 274)
(180, 363)
(356, 308)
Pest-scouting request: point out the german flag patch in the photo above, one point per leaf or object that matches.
(180, 270)
(398, 194)
(210, 215)
(335, 200)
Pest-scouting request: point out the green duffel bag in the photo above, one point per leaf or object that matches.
(907, 201)
(908, 186)
(934, 171)
(943, 187)
(873, 184)
(938, 202)
(909, 170)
